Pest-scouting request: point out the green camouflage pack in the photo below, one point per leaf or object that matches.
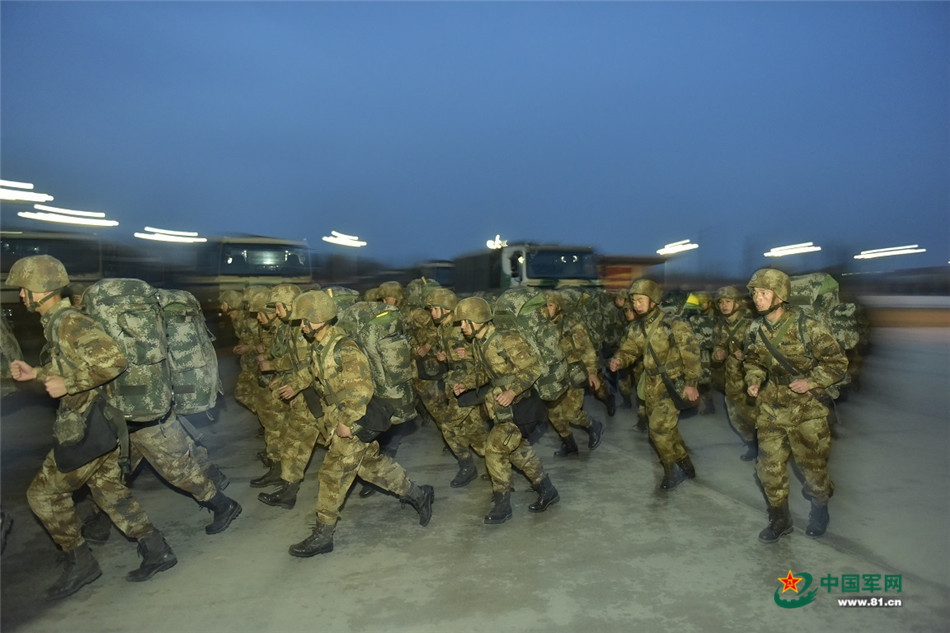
(344, 297)
(590, 306)
(380, 332)
(520, 309)
(816, 295)
(129, 311)
(192, 359)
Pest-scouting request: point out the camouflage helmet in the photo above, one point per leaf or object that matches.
(418, 289)
(284, 293)
(772, 279)
(257, 300)
(315, 306)
(442, 298)
(38, 273)
(371, 295)
(233, 298)
(474, 309)
(555, 297)
(730, 292)
(391, 290)
(648, 288)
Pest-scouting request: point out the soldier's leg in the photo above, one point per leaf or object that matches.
(116, 500)
(561, 414)
(810, 444)
(336, 475)
(502, 440)
(771, 468)
(664, 431)
(168, 448)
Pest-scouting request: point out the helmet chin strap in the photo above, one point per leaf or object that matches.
(32, 304)
(772, 308)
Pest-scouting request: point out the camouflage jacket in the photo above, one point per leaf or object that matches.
(85, 356)
(291, 353)
(729, 336)
(505, 360)
(342, 375)
(450, 338)
(575, 343)
(819, 359)
(672, 341)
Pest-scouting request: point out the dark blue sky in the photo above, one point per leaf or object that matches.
(427, 127)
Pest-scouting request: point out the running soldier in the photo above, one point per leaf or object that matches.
(506, 365)
(669, 354)
(730, 334)
(580, 355)
(82, 358)
(342, 374)
(790, 360)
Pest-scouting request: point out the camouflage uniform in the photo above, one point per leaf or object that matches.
(806, 358)
(698, 313)
(574, 341)
(788, 423)
(729, 340)
(676, 349)
(463, 428)
(249, 333)
(86, 357)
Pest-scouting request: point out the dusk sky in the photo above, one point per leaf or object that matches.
(426, 128)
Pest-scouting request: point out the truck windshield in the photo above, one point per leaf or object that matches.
(263, 259)
(561, 264)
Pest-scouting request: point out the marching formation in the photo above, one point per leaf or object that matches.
(355, 374)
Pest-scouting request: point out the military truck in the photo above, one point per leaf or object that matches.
(525, 264)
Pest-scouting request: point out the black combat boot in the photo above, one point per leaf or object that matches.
(611, 402)
(686, 464)
(672, 476)
(96, 528)
(270, 478)
(466, 473)
(596, 433)
(547, 495)
(817, 519)
(501, 508)
(221, 481)
(568, 447)
(319, 542)
(156, 556)
(283, 497)
(368, 490)
(421, 498)
(751, 451)
(225, 510)
(81, 569)
(780, 523)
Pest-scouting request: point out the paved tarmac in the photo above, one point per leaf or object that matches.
(613, 555)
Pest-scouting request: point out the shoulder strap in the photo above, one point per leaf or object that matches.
(777, 355)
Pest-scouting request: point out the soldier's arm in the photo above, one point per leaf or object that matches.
(689, 352)
(629, 350)
(527, 364)
(831, 362)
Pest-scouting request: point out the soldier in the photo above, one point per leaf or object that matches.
(342, 374)
(507, 365)
(269, 406)
(729, 341)
(300, 428)
(580, 354)
(463, 428)
(82, 359)
(700, 314)
(248, 331)
(670, 354)
(790, 360)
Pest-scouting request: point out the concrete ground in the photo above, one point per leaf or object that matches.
(613, 555)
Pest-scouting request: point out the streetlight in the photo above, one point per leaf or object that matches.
(792, 249)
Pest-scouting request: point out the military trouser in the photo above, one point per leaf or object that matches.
(299, 434)
(808, 441)
(246, 386)
(568, 410)
(50, 496)
(271, 413)
(505, 448)
(171, 452)
(663, 418)
(347, 458)
(432, 396)
(464, 428)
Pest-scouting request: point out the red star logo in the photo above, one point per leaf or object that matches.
(790, 582)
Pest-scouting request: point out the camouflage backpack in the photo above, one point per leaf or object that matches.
(191, 355)
(519, 309)
(129, 311)
(380, 332)
(816, 295)
(590, 307)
